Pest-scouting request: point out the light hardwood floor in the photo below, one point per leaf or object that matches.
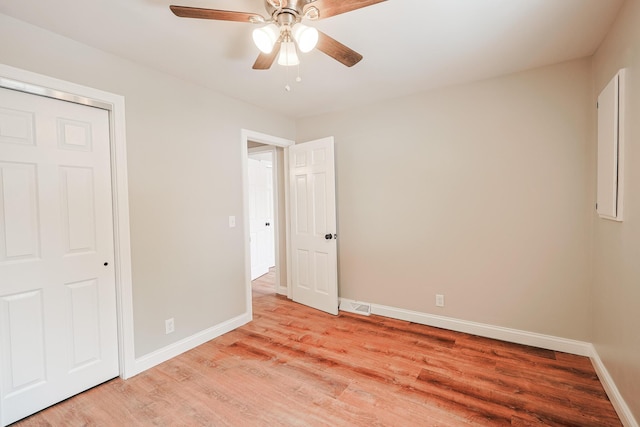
(295, 366)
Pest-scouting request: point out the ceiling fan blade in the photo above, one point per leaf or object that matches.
(337, 50)
(329, 8)
(265, 60)
(220, 15)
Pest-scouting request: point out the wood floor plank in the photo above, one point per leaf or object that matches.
(296, 366)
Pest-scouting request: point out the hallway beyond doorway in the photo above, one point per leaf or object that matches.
(265, 284)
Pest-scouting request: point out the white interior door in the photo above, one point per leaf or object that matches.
(261, 223)
(58, 321)
(313, 225)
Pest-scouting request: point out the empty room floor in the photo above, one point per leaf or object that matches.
(295, 366)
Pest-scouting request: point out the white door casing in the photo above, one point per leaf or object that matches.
(58, 319)
(313, 229)
(271, 142)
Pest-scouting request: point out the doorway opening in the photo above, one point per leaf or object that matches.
(265, 213)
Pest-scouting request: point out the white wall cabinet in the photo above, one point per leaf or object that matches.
(611, 149)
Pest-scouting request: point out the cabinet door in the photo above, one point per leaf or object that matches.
(610, 127)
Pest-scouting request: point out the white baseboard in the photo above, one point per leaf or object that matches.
(612, 391)
(150, 360)
(548, 342)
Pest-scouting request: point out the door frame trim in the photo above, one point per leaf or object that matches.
(275, 141)
(37, 84)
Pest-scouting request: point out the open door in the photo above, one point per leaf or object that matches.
(312, 209)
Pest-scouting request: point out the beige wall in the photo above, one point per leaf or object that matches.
(482, 192)
(616, 291)
(184, 181)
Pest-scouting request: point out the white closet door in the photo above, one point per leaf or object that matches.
(58, 321)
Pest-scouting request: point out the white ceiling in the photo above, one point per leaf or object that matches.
(408, 45)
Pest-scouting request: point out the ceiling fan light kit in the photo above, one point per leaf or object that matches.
(305, 37)
(266, 37)
(288, 55)
(284, 27)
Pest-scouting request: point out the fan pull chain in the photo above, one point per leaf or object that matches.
(286, 78)
(287, 86)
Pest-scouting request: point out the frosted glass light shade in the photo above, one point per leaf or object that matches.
(288, 55)
(306, 37)
(265, 37)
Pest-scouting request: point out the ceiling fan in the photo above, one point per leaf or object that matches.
(283, 27)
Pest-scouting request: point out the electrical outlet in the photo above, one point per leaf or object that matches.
(439, 300)
(169, 326)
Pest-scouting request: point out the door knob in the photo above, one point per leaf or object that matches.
(267, 224)
(328, 236)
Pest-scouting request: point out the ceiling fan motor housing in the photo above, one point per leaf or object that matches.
(293, 8)
(285, 18)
